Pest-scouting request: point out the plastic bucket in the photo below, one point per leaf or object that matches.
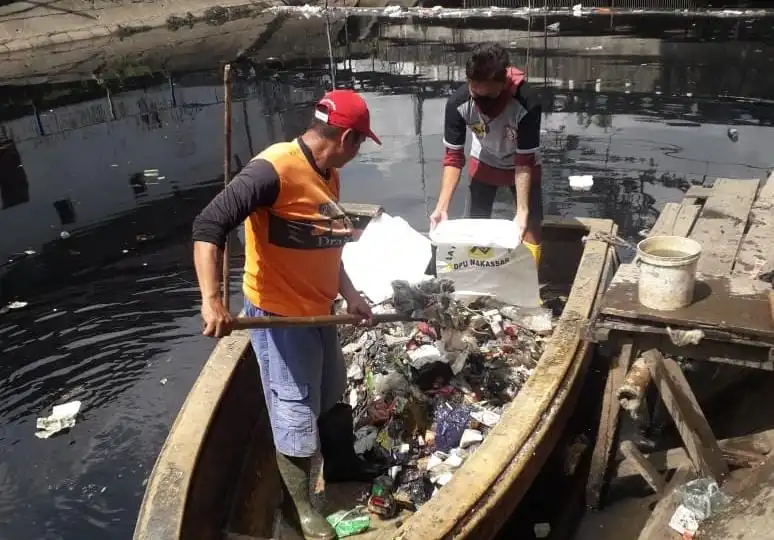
(667, 271)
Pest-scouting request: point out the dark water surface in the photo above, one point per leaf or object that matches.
(101, 176)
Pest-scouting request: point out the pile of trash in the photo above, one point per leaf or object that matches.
(426, 394)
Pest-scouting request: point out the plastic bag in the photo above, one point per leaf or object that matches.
(484, 257)
(702, 497)
(349, 522)
(389, 249)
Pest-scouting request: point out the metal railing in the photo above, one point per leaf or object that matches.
(554, 4)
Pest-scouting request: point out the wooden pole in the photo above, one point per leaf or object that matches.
(226, 169)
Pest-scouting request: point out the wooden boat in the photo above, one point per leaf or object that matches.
(215, 476)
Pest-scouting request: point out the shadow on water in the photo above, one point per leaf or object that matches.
(103, 168)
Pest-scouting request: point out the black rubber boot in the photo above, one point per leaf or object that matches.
(340, 463)
(295, 474)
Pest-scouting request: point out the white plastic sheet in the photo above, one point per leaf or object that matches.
(61, 417)
(484, 257)
(388, 249)
(582, 182)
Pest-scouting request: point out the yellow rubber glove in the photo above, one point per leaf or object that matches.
(536, 250)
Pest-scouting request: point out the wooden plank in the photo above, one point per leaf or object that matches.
(697, 436)
(575, 222)
(675, 220)
(721, 224)
(698, 192)
(757, 246)
(607, 431)
(643, 467)
(709, 349)
(738, 304)
(738, 451)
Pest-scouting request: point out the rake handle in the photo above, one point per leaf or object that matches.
(244, 323)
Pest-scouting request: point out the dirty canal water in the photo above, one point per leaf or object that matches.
(107, 154)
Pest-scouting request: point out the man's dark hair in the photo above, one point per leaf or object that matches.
(489, 62)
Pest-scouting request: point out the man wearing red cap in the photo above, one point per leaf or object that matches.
(295, 230)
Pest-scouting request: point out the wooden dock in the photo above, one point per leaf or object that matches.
(730, 321)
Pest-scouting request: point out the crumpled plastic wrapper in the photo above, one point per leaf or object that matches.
(450, 425)
(703, 497)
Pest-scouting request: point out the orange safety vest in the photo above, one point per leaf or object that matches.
(293, 249)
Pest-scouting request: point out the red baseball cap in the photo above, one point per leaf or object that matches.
(346, 109)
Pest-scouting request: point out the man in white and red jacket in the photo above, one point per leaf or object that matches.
(503, 112)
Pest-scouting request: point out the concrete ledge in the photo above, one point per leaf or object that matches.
(27, 25)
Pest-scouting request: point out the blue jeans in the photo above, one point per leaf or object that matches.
(303, 375)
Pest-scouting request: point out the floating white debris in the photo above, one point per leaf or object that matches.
(29, 252)
(64, 235)
(581, 182)
(310, 11)
(163, 381)
(62, 417)
(150, 173)
(17, 305)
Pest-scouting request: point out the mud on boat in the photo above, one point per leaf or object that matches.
(216, 476)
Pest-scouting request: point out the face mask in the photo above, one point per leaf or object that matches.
(485, 101)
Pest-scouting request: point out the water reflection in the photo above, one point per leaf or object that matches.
(101, 177)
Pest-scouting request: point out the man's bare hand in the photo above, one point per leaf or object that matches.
(357, 305)
(217, 320)
(438, 216)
